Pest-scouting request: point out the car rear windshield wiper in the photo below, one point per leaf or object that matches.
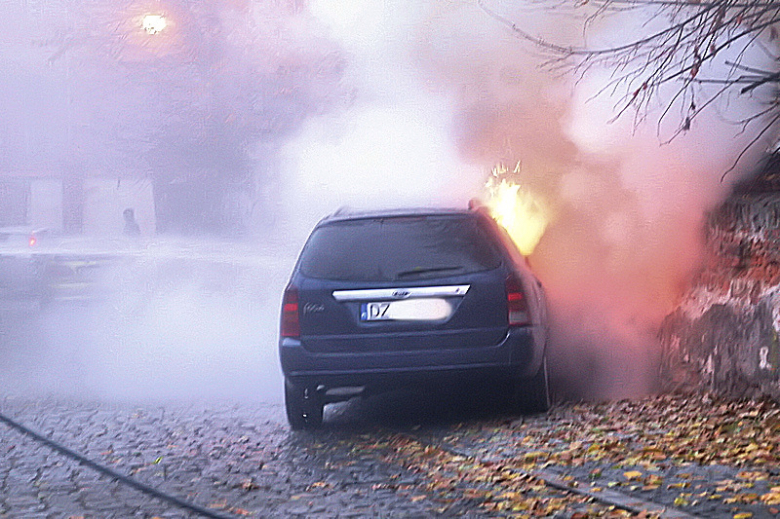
(429, 270)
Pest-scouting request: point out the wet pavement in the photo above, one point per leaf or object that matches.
(394, 456)
(236, 460)
(241, 460)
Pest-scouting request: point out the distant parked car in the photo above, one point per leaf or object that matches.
(394, 299)
(40, 266)
(11, 237)
(21, 268)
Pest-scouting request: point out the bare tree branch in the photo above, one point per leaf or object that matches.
(701, 43)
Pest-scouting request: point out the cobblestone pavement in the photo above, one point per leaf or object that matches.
(238, 460)
(242, 460)
(386, 457)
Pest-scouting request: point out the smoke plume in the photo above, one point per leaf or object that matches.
(625, 207)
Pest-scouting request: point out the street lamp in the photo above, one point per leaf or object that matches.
(154, 23)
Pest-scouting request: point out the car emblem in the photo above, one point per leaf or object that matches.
(312, 308)
(400, 294)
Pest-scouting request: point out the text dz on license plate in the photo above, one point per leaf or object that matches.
(374, 311)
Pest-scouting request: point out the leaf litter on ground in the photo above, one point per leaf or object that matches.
(649, 440)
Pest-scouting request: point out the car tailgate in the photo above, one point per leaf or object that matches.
(462, 312)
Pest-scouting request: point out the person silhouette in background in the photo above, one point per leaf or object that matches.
(131, 226)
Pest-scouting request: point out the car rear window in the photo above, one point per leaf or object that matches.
(398, 248)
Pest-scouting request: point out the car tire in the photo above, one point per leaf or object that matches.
(303, 406)
(532, 395)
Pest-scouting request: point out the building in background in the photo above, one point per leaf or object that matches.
(173, 108)
(90, 205)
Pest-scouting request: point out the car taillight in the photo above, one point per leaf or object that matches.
(291, 324)
(516, 304)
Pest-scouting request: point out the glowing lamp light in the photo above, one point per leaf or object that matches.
(154, 23)
(516, 209)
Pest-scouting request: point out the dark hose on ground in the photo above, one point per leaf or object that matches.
(146, 489)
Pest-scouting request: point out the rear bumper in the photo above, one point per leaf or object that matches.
(516, 356)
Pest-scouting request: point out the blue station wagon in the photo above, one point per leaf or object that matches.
(388, 300)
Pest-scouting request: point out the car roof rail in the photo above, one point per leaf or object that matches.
(476, 205)
(344, 209)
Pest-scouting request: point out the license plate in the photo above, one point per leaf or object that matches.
(375, 312)
(428, 309)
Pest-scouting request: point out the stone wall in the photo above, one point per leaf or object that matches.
(723, 336)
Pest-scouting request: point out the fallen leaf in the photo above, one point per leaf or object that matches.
(680, 501)
(632, 474)
(772, 497)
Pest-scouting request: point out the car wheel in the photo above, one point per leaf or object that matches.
(532, 395)
(304, 408)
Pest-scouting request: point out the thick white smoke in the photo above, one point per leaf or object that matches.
(179, 321)
(393, 144)
(626, 208)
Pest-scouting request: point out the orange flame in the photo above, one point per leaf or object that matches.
(516, 208)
